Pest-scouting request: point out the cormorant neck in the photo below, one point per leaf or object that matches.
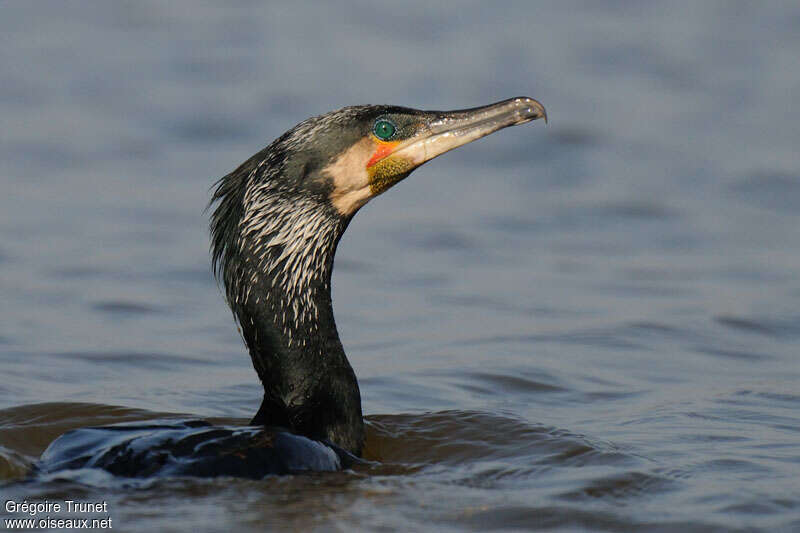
(278, 282)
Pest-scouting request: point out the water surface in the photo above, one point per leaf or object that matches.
(593, 324)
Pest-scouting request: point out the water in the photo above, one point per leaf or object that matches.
(593, 324)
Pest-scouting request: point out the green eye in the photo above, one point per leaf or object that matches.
(384, 129)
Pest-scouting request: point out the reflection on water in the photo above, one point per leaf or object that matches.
(589, 325)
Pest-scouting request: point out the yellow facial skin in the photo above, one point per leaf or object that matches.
(385, 168)
(387, 171)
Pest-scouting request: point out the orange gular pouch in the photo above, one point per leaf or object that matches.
(384, 170)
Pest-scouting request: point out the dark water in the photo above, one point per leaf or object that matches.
(593, 324)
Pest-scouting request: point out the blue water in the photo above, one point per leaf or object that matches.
(590, 324)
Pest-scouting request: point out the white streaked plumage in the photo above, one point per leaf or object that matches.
(291, 244)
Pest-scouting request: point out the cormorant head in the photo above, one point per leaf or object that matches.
(351, 155)
(365, 150)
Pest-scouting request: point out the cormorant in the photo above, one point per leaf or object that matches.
(276, 223)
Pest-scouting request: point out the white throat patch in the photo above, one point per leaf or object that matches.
(348, 173)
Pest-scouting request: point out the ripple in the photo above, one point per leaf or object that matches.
(771, 189)
(564, 518)
(123, 307)
(730, 467)
(624, 486)
(81, 273)
(792, 399)
(762, 506)
(485, 382)
(156, 361)
(13, 465)
(775, 328)
(659, 330)
(610, 338)
(636, 210)
(733, 354)
(458, 437)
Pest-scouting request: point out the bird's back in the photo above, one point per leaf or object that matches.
(190, 447)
